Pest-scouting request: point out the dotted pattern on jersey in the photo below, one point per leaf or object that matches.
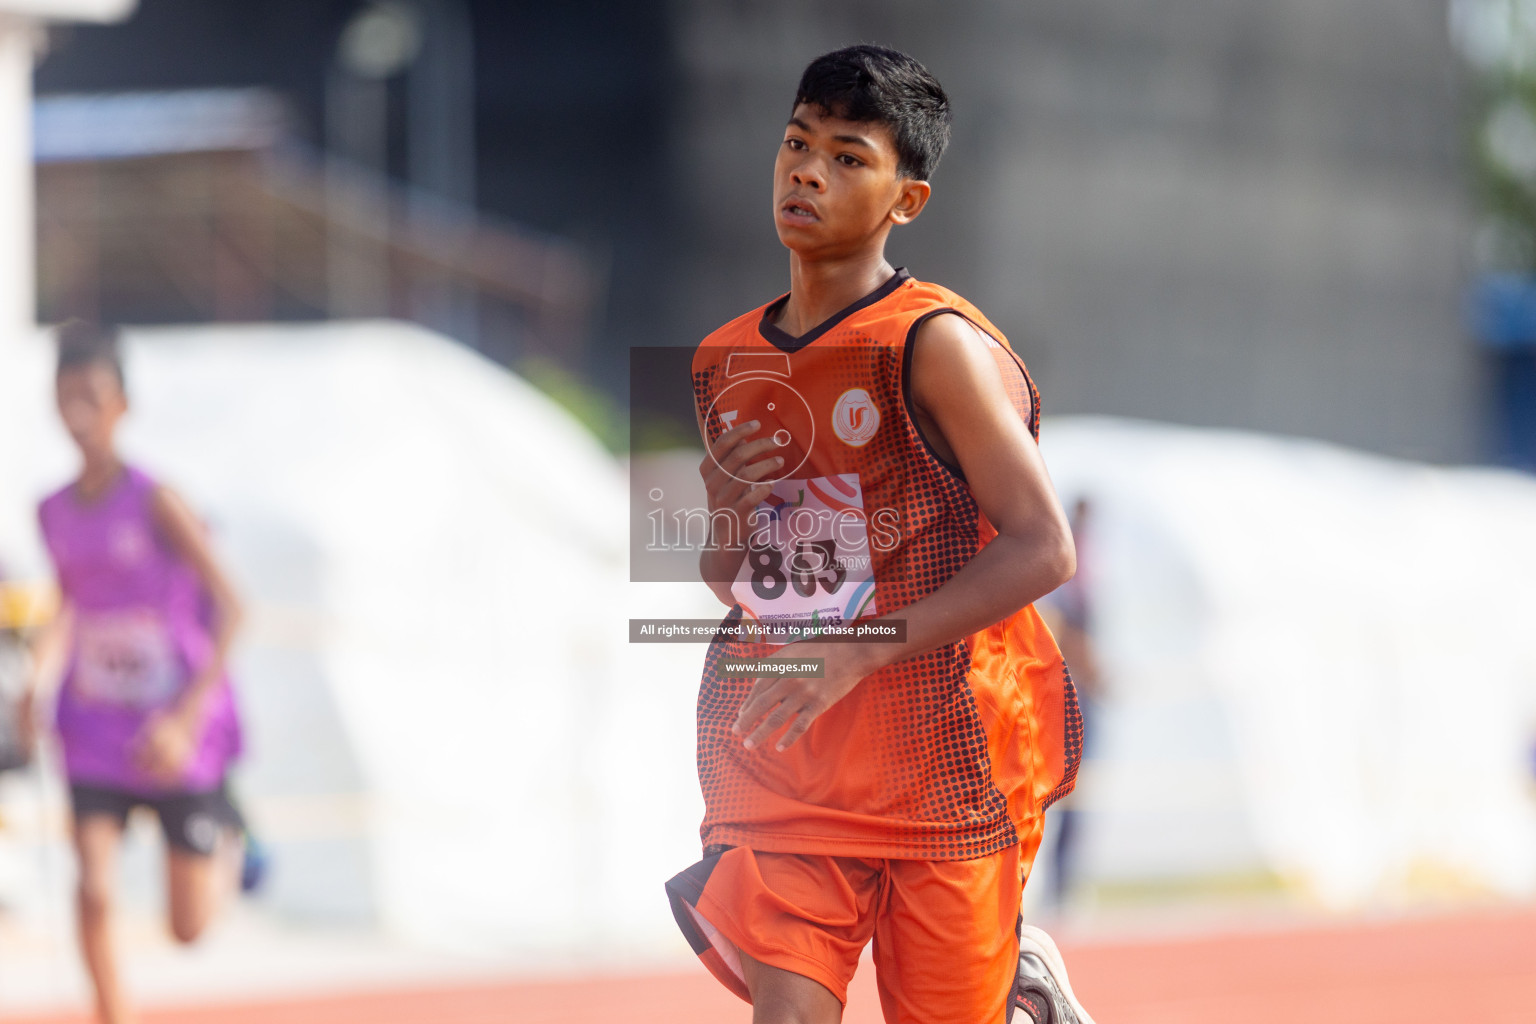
(1073, 739)
(920, 717)
(1022, 392)
(1020, 387)
(917, 719)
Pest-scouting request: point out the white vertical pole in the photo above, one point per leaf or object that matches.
(441, 150)
(17, 360)
(17, 275)
(356, 195)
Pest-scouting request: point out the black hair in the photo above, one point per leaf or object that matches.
(885, 86)
(84, 344)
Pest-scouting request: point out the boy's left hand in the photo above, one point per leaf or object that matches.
(166, 744)
(777, 701)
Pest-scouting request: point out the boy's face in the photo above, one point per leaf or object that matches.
(835, 186)
(91, 401)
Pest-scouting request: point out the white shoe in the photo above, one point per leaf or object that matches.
(1043, 992)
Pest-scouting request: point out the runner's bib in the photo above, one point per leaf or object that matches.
(808, 561)
(126, 658)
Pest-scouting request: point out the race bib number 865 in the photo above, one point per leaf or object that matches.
(808, 557)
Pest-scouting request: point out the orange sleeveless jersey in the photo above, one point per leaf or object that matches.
(948, 755)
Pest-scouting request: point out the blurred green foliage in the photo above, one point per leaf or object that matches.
(662, 434)
(593, 407)
(1498, 40)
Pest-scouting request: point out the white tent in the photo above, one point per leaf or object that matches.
(1319, 662)
(449, 732)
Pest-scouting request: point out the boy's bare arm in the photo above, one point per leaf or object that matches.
(185, 534)
(955, 384)
(48, 650)
(170, 738)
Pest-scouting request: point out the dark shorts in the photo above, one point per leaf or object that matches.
(191, 821)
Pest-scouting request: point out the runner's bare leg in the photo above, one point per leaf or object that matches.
(198, 885)
(784, 997)
(97, 839)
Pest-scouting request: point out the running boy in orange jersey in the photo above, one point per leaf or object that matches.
(872, 461)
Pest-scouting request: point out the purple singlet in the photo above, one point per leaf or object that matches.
(141, 633)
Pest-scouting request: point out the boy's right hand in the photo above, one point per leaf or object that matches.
(732, 472)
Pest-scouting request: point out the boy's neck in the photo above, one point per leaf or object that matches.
(98, 475)
(818, 289)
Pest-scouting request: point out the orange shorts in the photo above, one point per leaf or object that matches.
(946, 944)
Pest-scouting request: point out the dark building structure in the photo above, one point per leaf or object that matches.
(1229, 214)
(569, 127)
(1249, 215)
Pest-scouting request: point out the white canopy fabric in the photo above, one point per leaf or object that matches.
(1319, 662)
(444, 715)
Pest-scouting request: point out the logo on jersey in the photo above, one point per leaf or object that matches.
(855, 418)
(128, 544)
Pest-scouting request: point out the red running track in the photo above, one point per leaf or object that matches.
(1470, 968)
